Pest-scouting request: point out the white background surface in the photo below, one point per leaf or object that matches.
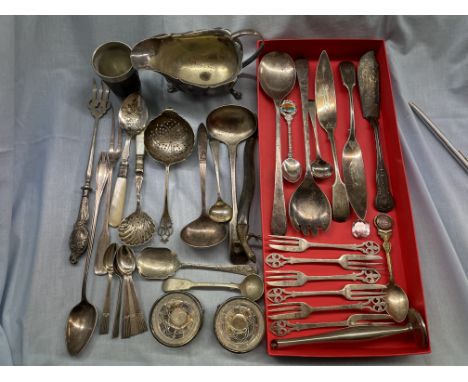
(45, 82)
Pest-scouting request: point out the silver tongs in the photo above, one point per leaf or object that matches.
(457, 154)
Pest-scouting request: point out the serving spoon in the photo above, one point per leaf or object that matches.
(395, 297)
(232, 124)
(203, 232)
(277, 76)
(83, 317)
(161, 263)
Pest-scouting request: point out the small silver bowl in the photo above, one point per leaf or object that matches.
(239, 325)
(176, 318)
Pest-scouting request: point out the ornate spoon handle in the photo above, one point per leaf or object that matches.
(165, 228)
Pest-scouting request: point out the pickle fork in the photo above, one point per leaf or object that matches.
(296, 278)
(351, 292)
(346, 261)
(297, 244)
(281, 328)
(299, 310)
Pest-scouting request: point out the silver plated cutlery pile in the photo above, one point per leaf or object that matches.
(303, 278)
(292, 279)
(168, 139)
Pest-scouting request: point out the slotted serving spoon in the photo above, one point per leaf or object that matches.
(169, 139)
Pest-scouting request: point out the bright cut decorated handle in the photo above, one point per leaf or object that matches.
(118, 202)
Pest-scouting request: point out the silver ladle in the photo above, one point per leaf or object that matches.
(133, 115)
(161, 263)
(232, 124)
(83, 317)
(203, 232)
(251, 287)
(277, 76)
(292, 170)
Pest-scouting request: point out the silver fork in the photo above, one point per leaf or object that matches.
(296, 278)
(351, 292)
(299, 310)
(98, 106)
(281, 328)
(114, 152)
(346, 261)
(297, 244)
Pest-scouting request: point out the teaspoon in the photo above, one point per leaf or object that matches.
(292, 170)
(395, 297)
(220, 212)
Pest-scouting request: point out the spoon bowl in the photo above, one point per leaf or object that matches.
(220, 212)
(397, 302)
(321, 168)
(231, 124)
(137, 228)
(133, 114)
(309, 208)
(203, 232)
(277, 75)
(80, 326)
(252, 287)
(125, 260)
(292, 170)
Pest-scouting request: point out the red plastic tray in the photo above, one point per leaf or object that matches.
(404, 249)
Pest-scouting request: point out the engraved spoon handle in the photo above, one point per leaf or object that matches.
(244, 269)
(165, 229)
(104, 325)
(118, 308)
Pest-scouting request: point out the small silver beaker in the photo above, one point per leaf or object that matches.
(111, 62)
